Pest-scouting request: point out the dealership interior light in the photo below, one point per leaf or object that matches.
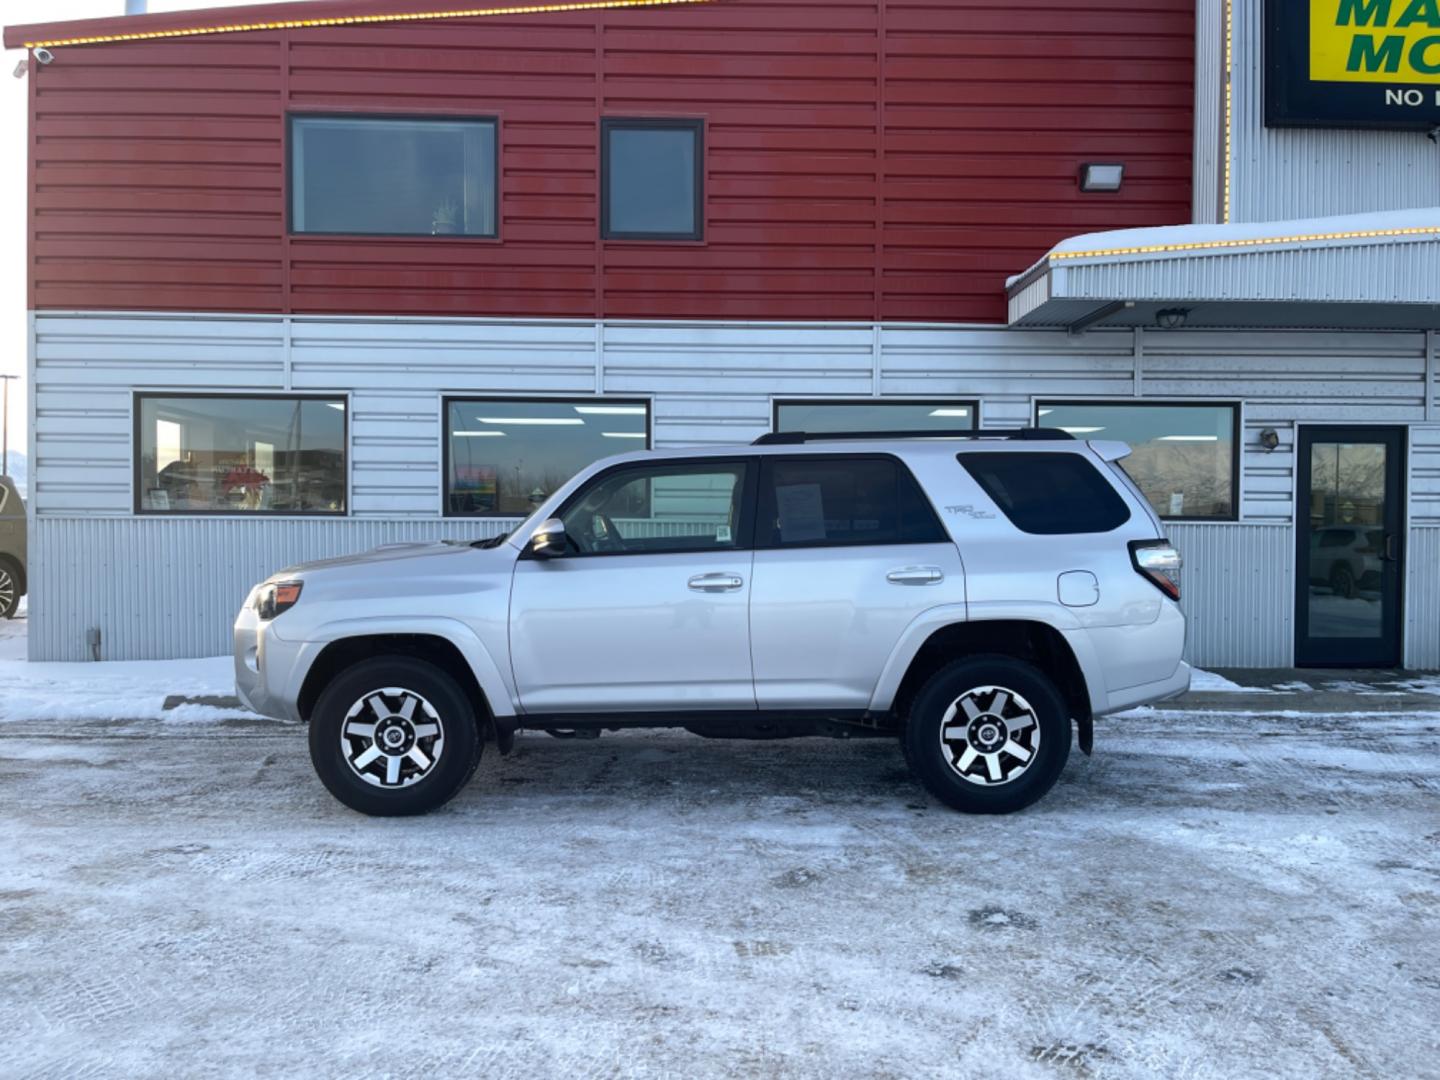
(1101, 176)
(611, 410)
(567, 420)
(950, 412)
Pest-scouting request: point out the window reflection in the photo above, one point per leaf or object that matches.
(508, 455)
(1182, 456)
(234, 454)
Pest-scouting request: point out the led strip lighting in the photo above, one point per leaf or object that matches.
(355, 20)
(1260, 241)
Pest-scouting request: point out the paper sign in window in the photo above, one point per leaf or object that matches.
(801, 511)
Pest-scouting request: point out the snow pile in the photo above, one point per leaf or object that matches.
(120, 690)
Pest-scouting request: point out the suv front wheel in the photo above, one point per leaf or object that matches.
(392, 736)
(988, 735)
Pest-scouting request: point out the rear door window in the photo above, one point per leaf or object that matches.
(823, 501)
(1048, 494)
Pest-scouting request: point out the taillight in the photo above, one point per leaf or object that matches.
(1159, 562)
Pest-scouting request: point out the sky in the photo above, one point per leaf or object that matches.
(12, 177)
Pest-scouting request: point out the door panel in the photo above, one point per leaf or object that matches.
(1350, 546)
(849, 552)
(824, 620)
(649, 608)
(630, 632)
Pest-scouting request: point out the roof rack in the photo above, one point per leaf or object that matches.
(1029, 434)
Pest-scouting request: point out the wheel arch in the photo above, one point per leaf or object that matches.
(465, 661)
(1036, 641)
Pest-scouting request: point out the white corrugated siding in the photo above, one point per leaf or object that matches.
(1238, 593)
(1422, 599)
(1280, 173)
(710, 384)
(1209, 111)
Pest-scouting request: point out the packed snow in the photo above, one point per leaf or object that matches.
(1214, 894)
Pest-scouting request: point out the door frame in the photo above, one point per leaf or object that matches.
(1396, 436)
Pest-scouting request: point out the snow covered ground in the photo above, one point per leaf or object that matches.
(1212, 895)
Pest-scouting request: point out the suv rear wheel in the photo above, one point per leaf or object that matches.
(988, 735)
(392, 736)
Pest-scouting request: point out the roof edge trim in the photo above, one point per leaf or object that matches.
(1259, 241)
(353, 20)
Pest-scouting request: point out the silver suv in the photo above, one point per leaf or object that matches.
(975, 596)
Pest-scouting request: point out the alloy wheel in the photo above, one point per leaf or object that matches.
(392, 738)
(989, 736)
(7, 593)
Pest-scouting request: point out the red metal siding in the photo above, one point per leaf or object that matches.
(891, 160)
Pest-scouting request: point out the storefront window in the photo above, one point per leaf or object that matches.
(392, 176)
(227, 454)
(1183, 456)
(874, 414)
(505, 456)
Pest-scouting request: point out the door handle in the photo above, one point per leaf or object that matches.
(916, 575)
(1391, 548)
(716, 582)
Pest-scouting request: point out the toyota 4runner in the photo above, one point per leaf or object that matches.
(979, 596)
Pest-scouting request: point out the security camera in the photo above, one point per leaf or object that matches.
(1434, 134)
(44, 56)
(21, 68)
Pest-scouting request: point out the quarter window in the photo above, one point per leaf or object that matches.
(392, 176)
(505, 456)
(228, 454)
(1049, 494)
(651, 180)
(874, 415)
(1182, 456)
(820, 501)
(659, 508)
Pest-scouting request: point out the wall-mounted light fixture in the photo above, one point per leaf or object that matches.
(1269, 439)
(1171, 318)
(1101, 176)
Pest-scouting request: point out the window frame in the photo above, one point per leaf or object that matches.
(653, 123)
(442, 118)
(446, 400)
(1237, 425)
(137, 487)
(764, 544)
(745, 529)
(940, 403)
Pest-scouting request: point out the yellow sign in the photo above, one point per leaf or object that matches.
(1375, 41)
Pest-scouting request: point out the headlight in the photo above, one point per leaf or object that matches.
(276, 597)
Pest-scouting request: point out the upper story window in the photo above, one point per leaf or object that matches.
(1182, 456)
(651, 179)
(874, 414)
(231, 454)
(505, 456)
(392, 176)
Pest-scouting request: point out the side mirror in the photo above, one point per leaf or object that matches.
(548, 541)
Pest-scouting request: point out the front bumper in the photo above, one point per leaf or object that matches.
(269, 671)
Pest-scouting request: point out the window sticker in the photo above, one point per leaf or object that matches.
(801, 511)
(722, 534)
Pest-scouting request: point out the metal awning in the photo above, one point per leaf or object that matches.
(1359, 271)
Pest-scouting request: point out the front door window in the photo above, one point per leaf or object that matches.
(1349, 547)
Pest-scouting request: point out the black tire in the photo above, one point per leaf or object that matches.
(934, 762)
(10, 589)
(1342, 581)
(366, 684)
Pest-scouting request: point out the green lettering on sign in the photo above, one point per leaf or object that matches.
(1363, 13)
(1424, 12)
(1364, 56)
(1419, 61)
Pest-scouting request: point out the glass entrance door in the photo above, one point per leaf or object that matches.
(1351, 544)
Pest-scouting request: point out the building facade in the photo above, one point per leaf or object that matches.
(307, 279)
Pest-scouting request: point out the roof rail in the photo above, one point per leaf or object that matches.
(790, 438)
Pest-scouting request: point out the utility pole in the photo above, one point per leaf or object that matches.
(5, 424)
